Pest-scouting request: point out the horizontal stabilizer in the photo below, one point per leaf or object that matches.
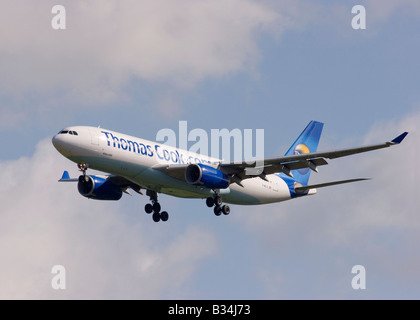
(66, 178)
(303, 188)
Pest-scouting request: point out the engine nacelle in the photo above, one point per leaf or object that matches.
(212, 178)
(94, 187)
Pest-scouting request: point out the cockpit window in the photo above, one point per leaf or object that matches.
(68, 132)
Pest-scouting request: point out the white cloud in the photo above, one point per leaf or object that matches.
(106, 253)
(108, 42)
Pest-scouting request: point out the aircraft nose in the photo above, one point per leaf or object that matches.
(55, 141)
(59, 142)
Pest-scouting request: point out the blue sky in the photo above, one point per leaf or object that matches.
(141, 66)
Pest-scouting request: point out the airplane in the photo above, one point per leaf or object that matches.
(138, 164)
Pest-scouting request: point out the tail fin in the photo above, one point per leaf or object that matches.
(306, 143)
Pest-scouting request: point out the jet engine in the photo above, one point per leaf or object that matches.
(200, 174)
(95, 187)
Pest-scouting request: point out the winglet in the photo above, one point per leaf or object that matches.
(400, 138)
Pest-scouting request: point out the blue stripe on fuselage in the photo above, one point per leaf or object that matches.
(291, 185)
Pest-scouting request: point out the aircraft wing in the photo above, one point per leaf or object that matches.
(124, 183)
(288, 163)
(285, 164)
(121, 182)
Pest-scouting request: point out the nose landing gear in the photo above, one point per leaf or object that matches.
(83, 167)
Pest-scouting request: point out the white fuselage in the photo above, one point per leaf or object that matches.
(134, 159)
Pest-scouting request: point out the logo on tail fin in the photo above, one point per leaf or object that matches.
(307, 142)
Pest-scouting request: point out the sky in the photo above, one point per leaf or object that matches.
(141, 66)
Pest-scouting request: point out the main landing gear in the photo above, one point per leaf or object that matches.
(216, 201)
(155, 208)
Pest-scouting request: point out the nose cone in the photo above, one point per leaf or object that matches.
(61, 145)
(54, 141)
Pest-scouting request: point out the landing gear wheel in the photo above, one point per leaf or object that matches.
(226, 209)
(217, 210)
(164, 216)
(210, 202)
(156, 207)
(148, 208)
(218, 201)
(156, 217)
